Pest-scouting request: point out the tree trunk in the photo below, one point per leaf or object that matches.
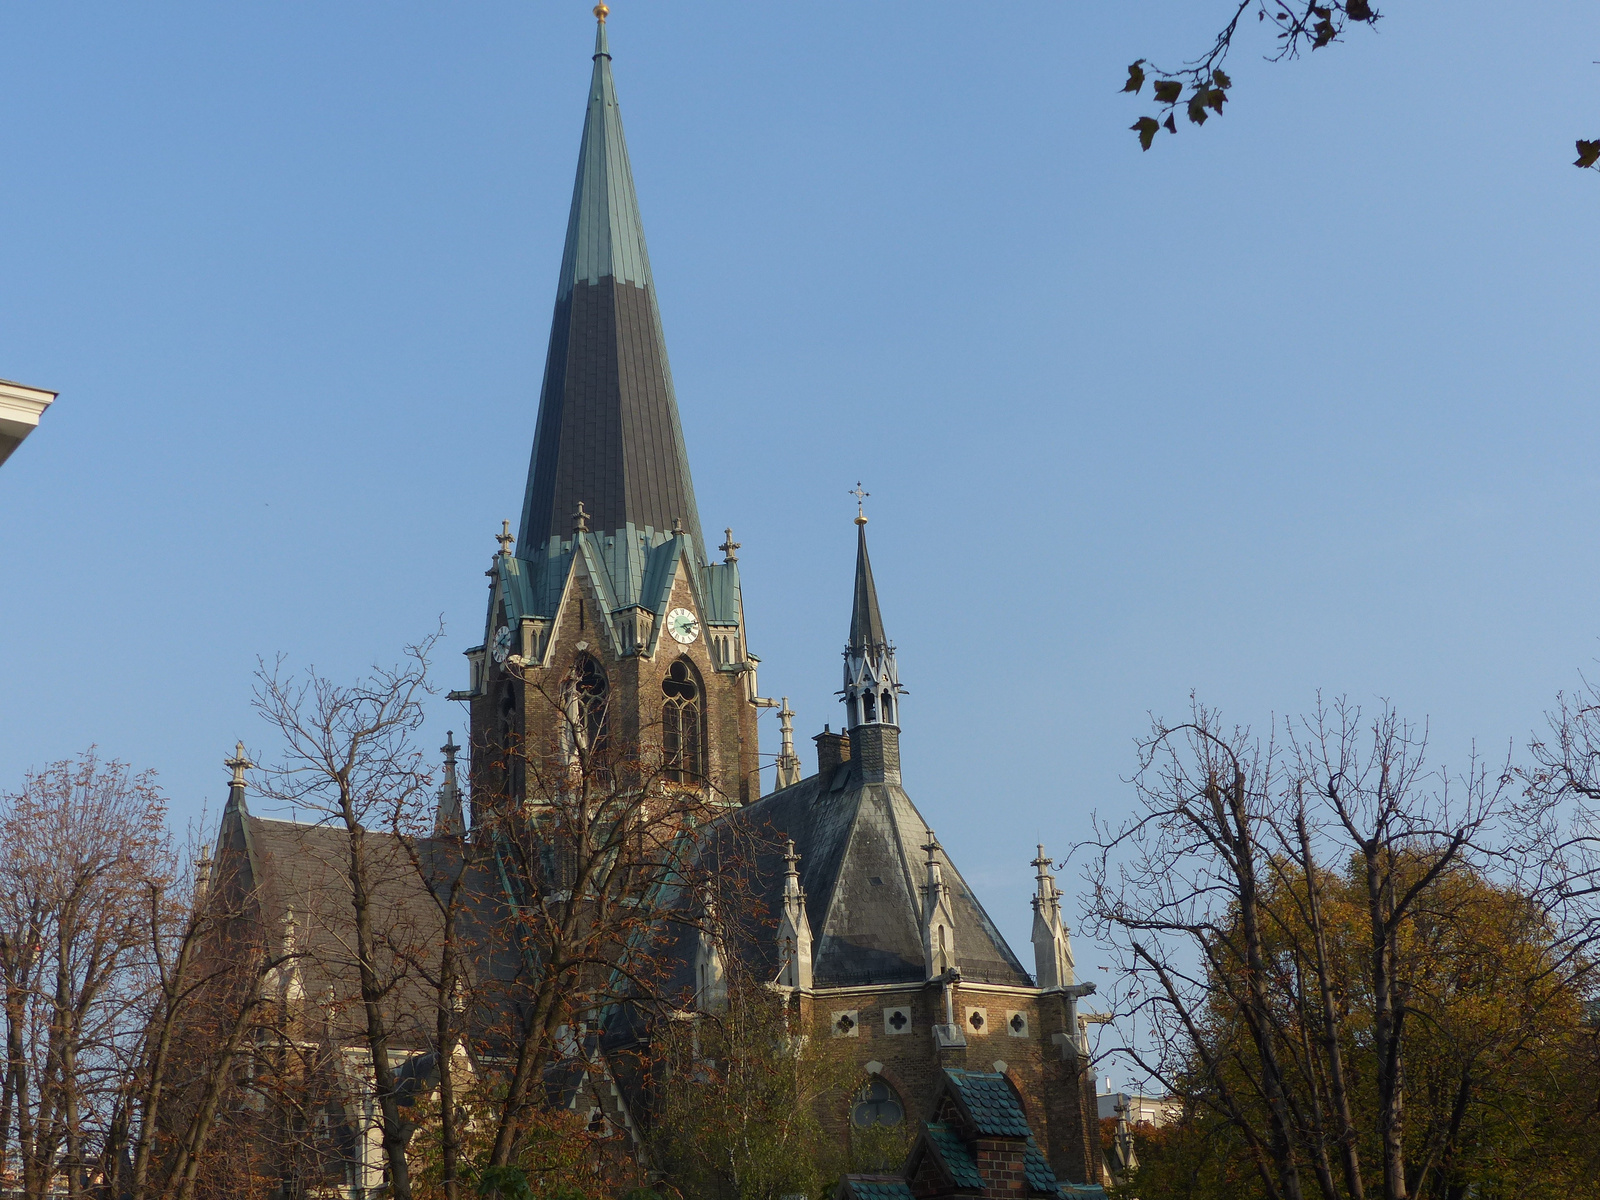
(1386, 1025)
(1338, 1091)
(394, 1133)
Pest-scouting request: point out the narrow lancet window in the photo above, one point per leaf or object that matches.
(682, 723)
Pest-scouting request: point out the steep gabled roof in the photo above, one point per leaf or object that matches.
(608, 433)
(861, 868)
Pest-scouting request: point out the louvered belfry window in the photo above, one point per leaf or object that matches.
(683, 742)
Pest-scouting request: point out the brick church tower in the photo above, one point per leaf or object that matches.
(606, 618)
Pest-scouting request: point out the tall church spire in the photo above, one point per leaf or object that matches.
(608, 433)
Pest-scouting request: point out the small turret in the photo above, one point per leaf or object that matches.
(794, 930)
(938, 918)
(871, 677)
(448, 820)
(1052, 947)
(710, 975)
(788, 760)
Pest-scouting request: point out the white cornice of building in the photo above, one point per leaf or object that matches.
(20, 410)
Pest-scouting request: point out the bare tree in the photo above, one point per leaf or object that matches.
(1244, 989)
(349, 758)
(613, 876)
(80, 844)
(206, 1000)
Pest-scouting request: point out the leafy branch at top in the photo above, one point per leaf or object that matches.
(1308, 26)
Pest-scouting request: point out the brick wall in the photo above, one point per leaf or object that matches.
(1053, 1091)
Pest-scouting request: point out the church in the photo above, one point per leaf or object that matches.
(608, 594)
(610, 581)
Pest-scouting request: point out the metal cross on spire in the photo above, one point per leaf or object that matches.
(861, 515)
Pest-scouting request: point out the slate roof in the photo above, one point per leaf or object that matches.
(866, 622)
(299, 874)
(862, 868)
(608, 433)
(952, 1152)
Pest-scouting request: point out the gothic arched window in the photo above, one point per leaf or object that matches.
(868, 709)
(586, 694)
(876, 1104)
(683, 742)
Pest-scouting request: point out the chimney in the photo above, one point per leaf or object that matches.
(832, 749)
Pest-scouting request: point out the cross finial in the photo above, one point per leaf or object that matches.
(580, 520)
(729, 547)
(601, 12)
(861, 516)
(931, 846)
(238, 763)
(505, 537)
(449, 748)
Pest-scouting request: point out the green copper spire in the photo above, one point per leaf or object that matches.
(608, 434)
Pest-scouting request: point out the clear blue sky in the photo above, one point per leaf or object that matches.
(1301, 400)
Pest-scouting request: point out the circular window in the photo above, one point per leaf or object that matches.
(876, 1104)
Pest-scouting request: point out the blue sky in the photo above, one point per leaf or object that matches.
(1302, 400)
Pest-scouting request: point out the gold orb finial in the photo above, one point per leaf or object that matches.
(601, 11)
(861, 515)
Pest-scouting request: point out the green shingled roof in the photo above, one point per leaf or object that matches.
(953, 1153)
(1040, 1177)
(877, 1187)
(989, 1102)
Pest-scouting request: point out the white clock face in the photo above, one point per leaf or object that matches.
(502, 643)
(683, 627)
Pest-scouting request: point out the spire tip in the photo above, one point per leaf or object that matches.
(861, 515)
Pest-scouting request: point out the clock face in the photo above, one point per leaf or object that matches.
(502, 643)
(682, 625)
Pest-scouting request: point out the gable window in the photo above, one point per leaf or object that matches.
(683, 742)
